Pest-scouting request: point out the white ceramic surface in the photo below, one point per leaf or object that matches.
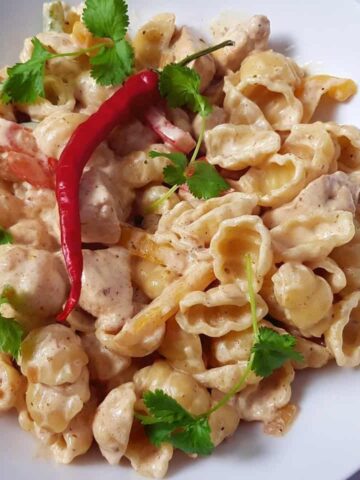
(324, 443)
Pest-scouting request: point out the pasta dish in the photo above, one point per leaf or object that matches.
(178, 234)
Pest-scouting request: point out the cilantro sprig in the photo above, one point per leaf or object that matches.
(11, 332)
(169, 422)
(180, 86)
(113, 62)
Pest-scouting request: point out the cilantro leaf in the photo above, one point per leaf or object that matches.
(106, 18)
(181, 87)
(272, 350)
(206, 182)
(169, 422)
(5, 237)
(112, 65)
(11, 335)
(165, 408)
(173, 174)
(195, 438)
(25, 82)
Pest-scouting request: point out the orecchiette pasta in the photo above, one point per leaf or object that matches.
(314, 87)
(276, 181)
(181, 386)
(53, 408)
(236, 147)
(77, 439)
(150, 277)
(224, 378)
(261, 402)
(113, 421)
(308, 237)
(144, 457)
(52, 355)
(343, 338)
(12, 384)
(225, 421)
(103, 364)
(305, 298)
(182, 350)
(218, 311)
(235, 239)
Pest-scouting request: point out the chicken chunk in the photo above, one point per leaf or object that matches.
(38, 277)
(186, 44)
(253, 35)
(107, 291)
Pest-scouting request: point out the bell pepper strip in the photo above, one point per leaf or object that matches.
(21, 160)
(137, 94)
(169, 133)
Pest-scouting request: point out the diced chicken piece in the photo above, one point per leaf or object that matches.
(249, 36)
(33, 233)
(106, 288)
(99, 209)
(330, 193)
(38, 277)
(132, 137)
(186, 44)
(11, 208)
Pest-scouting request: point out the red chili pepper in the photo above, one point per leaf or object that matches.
(134, 97)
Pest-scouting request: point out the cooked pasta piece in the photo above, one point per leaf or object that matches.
(151, 278)
(52, 355)
(225, 421)
(144, 245)
(343, 336)
(240, 109)
(11, 207)
(329, 193)
(182, 350)
(113, 421)
(252, 35)
(269, 79)
(53, 408)
(138, 169)
(54, 131)
(89, 94)
(308, 237)
(145, 458)
(347, 138)
(260, 402)
(236, 147)
(33, 233)
(224, 378)
(313, 88)
(103, 364)
(218, 311)
(77, 439)
(153, 39)
(143, 333)
(314, 355)
(231, 348)
(279, 179)
(305, 298)
(198, 225)
(12, 384)
(331, 272)
(149, 196)
(181, 386)
(347, 258)
(233, 241)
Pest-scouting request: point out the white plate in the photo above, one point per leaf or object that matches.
(324, 443)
